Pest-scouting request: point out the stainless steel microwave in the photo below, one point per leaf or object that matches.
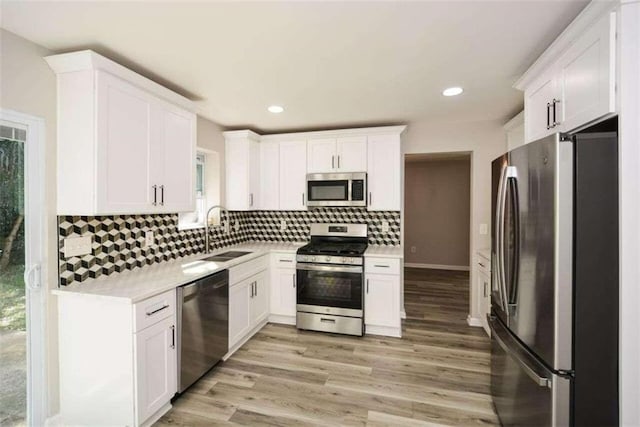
(337, 189)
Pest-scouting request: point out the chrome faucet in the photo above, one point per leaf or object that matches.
(206, 224)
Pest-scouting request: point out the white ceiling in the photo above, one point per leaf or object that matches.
(330, 64)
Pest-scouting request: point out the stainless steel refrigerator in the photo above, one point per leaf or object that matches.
(554, 315)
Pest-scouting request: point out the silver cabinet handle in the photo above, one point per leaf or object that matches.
(367, 285)
(251, 199)
(484, 289)
(151, 313)
(380, 265)
(155, 195)
(481, 264)
(548, 119)
(554, 103)
(294, 281)
(173, 336)
(338, 161)
(162, 195)
(255, 286)
(325, 320)
(286, 260)
(369, 197)
(333, 166)
(302, 199)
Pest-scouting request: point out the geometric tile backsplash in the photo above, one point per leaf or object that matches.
(118, 241)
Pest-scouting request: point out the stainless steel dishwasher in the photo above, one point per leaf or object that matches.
(203, 326)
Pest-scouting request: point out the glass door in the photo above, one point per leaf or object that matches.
(13, 331)
(329, 286)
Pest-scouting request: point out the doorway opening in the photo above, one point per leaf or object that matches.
(22, 301)
(437, 233)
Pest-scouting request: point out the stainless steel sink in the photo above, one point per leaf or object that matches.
(226, 256)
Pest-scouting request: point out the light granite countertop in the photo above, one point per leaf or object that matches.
(385, 251)
(137, 285)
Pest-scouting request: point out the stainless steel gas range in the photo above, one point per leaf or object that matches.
(330, 279)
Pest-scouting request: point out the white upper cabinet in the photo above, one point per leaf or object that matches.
(384, 160)
(574, 82)
(293, 175)
(269, 175)
(351, 154)
(321, 155)
(242, 165)
(343, 154)
(125, 143)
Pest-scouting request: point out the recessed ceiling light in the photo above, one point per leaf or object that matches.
(275, 109)
(452, 91)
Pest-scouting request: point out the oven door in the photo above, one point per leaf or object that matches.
(330, 289)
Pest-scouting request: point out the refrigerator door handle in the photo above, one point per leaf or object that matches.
(512, 177)
(542, 381)
(500, 212)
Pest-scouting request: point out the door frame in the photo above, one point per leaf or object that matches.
(35, 262)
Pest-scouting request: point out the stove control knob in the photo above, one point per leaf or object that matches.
(345, 260)
(328, 259)
(312, 259)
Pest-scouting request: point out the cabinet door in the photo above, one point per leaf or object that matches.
(124, 141)
(484, 291)
(283, 292)
(321, 155)
(293, 175)
(260, 299)
(383, 164)
(176, 187)
(351, 154)
(270, 176)
(382, 300)
(156, 367)
(587, 79)
(237, 177)
(538, 119)
(239, 314)
(254, 175)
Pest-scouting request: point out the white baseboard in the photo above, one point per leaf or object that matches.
(474, 321)
(437, 266)
(54, 421)
(283, 320)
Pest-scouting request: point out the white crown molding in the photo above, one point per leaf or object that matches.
(84, 60)
(589, 15)
(334, 133)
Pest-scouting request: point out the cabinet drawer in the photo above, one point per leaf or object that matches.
(247, 269)
(382, 265)
(284, 260)
(154, 309)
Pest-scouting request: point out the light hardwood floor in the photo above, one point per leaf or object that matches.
(437, 374)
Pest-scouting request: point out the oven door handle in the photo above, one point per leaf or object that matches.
(335, 268)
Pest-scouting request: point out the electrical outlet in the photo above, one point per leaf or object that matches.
(413, 249)
(283, 225)
(77, 246)
(385, 226)
(148, 238)
(484, 229)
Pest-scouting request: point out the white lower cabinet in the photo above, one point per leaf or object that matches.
(382, 297)
(483, 288)
(156, 364)
(248, 300)
(117, 359)
(283, 288)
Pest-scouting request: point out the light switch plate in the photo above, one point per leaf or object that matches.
(77, 246)
(385, 226)
(413, 249)
(484, 229)
(148, 238)
(283, 225)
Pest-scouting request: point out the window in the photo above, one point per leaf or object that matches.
(195, 219)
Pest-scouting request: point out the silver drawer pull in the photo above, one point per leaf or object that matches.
(151, 313)
(481, 264)
(324, 319)
(381, 266)
(286, 260)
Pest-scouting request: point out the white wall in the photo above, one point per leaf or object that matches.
(28, 85)
(485, 141)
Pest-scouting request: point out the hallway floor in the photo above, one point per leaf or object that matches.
(437, 374)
